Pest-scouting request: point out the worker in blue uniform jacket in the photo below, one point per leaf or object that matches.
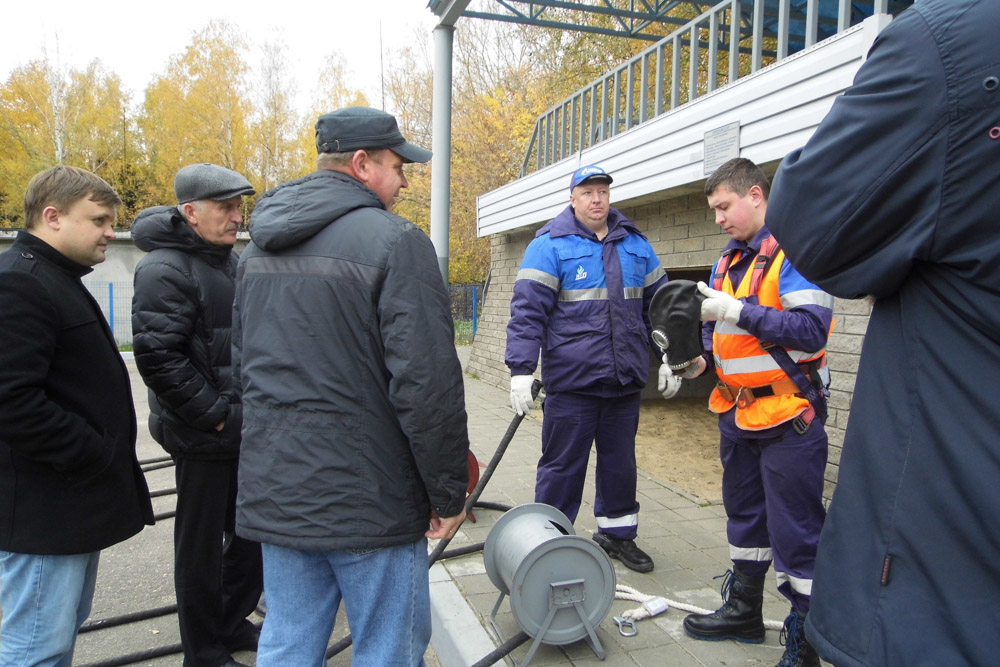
(581, 298)
(895, 196)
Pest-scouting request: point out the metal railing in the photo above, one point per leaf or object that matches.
(733, 39)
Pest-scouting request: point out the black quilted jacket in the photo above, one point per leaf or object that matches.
(182, 314)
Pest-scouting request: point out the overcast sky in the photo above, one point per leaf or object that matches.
(135, 39)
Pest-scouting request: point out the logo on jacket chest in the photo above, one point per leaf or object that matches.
(581, 273)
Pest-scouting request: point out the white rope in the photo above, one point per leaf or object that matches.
(654, 604)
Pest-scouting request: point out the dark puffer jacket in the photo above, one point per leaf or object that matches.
(355, 424)
(182, 314)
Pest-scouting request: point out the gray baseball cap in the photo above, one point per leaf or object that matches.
(363, 128)
(209, 181)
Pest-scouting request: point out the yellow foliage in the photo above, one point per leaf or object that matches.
(196, 111)
(208, 106)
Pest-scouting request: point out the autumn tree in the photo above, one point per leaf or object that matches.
(497, 94)
(197, 110)
(47, 117)
(275, 121)
(332, 90)
(410, 87)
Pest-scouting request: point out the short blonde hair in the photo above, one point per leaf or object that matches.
(63, 186)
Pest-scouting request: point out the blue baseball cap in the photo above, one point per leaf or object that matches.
(587, 173)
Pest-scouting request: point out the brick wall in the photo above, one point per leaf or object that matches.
(683, 233)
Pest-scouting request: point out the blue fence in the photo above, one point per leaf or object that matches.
(115, 299)
(466, 306)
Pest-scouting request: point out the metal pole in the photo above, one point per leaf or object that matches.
(441, 145)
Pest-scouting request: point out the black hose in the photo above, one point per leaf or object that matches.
(338, 646)
(484, 478)
(164, 515)
(463, 551)
(500, 507)
(470, 502)
(157, 466)
(162, 492)
(133, 658)
(161, 459)
(127, 618)
(503, 650)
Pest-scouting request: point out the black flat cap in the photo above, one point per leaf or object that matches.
(209, 181)
(362, 128)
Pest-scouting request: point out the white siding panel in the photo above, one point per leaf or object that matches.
(777, 108)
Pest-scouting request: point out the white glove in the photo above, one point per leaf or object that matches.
(520, 394)
(668, 384)
(719, 305)
(694, 369)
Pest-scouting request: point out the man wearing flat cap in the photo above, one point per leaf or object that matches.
(355, 436)
(581, 299)
(181, 327)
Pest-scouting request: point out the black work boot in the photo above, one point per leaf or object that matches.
(739, 618)
(798, 651)
(626, 551)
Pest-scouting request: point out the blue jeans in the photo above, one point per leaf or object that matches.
(45, 600)
(385, 591)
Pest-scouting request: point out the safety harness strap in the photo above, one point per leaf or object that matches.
(723, 267)
(762, 263)
(769, 249)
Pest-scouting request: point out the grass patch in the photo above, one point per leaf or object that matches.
(463, 332)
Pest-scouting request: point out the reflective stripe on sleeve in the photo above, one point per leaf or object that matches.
(654, 275)
(806, 297)
(547, 279)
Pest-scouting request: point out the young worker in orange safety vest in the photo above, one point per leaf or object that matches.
(765, 329)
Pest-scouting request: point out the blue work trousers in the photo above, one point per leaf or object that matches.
(572, 423)
(772, 490)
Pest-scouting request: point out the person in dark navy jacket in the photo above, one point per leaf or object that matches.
(581, 298)
(70, 484)
(896, 196)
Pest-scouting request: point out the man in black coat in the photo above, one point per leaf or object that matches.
(70, 484)
(181, 321)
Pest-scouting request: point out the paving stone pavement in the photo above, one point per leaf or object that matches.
(684, 535)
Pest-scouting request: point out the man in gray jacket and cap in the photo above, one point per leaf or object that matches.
(354, 434)
(181, 322)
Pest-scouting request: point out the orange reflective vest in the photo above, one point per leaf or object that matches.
(741, 362)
